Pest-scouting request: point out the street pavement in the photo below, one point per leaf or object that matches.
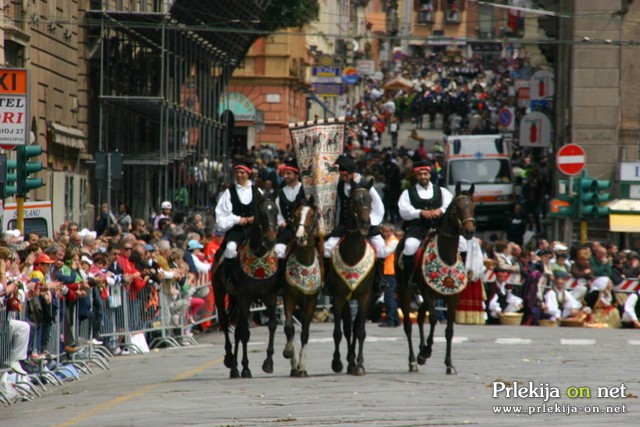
(191, 386)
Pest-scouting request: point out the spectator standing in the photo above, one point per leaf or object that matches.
(165, 213)
(123, 218)
(391, 305)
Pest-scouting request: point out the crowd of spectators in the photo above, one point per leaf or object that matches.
(83, 275)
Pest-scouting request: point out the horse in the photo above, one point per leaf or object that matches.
(255, 277)
(441, 275)
(303, 279)
(351, 277)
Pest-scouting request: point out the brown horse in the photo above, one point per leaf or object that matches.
(255, 277)
(303, 278)
(351, 277)
(441, 263)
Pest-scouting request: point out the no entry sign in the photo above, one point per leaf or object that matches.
(571, 159)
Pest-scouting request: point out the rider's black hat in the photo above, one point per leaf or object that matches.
(346, 164)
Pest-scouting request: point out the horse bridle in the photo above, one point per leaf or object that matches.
(265, 243)
(314, 224)
(460, 223)
(352, 202)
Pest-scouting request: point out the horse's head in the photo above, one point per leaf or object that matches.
(266, 221)
(462, 213)
(305, 220)
(360, 208)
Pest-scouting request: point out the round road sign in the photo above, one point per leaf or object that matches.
(571, 159)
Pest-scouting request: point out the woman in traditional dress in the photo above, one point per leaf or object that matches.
(603, 304)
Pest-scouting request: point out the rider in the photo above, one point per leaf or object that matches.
(348, 177)
(287, 199)
(234, 215)
(421, 206)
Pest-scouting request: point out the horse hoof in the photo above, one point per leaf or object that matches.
(294, 373)
(287, 353)
(351, 369)
(451, 370)
(246, 373)
(267, 367)
(413, 367)
(228, 361)
(421, 359)
(336, 366)
(302, 374)
(234, 374)
(359, 371)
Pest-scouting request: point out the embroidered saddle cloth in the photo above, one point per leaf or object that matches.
(442, 278)
(306, 278)
(353, 275)
(256, 267)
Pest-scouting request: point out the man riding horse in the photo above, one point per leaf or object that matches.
(288, 198)
(234, 214)
(421, 207)
(348, 178)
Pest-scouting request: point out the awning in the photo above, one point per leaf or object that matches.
(624, 216)
(67, 136)
(314, 97)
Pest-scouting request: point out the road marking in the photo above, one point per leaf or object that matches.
(577, 341)
(634, 342)
(513, 341)
(136, 393)
(456, 340)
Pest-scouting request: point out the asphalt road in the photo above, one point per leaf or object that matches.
(190, 386)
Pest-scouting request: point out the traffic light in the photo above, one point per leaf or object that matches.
(590, 197)
(25, 168)
(8, 177)
(564, 206)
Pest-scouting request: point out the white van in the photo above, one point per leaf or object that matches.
(37, 217)
(485, 161)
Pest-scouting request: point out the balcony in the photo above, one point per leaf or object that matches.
(452, 16)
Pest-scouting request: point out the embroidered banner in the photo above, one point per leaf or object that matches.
(317, 146)
(306, 278)
(352, 275)
(442, 278)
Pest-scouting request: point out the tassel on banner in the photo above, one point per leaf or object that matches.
(316, 121)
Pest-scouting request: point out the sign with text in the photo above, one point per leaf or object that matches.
(629, 171)
(14, 107)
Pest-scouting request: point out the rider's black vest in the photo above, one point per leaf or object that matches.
(343, 202)
(241, 209)
(419, 203)
(287, 207)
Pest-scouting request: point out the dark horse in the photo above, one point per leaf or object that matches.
(255, 277)
(351, 277)
(445, 270)
(303, 278)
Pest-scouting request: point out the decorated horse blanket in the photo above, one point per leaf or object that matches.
(353, 275)
(443, 278)
(306, 278)
(258, 268)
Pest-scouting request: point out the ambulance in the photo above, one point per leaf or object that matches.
(37, 217)
(485, 161)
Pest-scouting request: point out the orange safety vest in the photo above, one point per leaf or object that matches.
(389, 262)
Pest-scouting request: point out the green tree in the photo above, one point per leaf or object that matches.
(289, 14)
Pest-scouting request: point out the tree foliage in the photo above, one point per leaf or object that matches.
(289, 14)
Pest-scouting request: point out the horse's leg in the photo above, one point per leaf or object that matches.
(309, 308)
(452, 305)
(242, 333)
(270, 302)
(404, 300)
(425, 350)
(338, 306)
(289, 330)
(360, 331)
(223, 319)
(350, 338)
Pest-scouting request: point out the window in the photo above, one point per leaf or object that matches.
(484, 171)
(39, 225)
(68, 197)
